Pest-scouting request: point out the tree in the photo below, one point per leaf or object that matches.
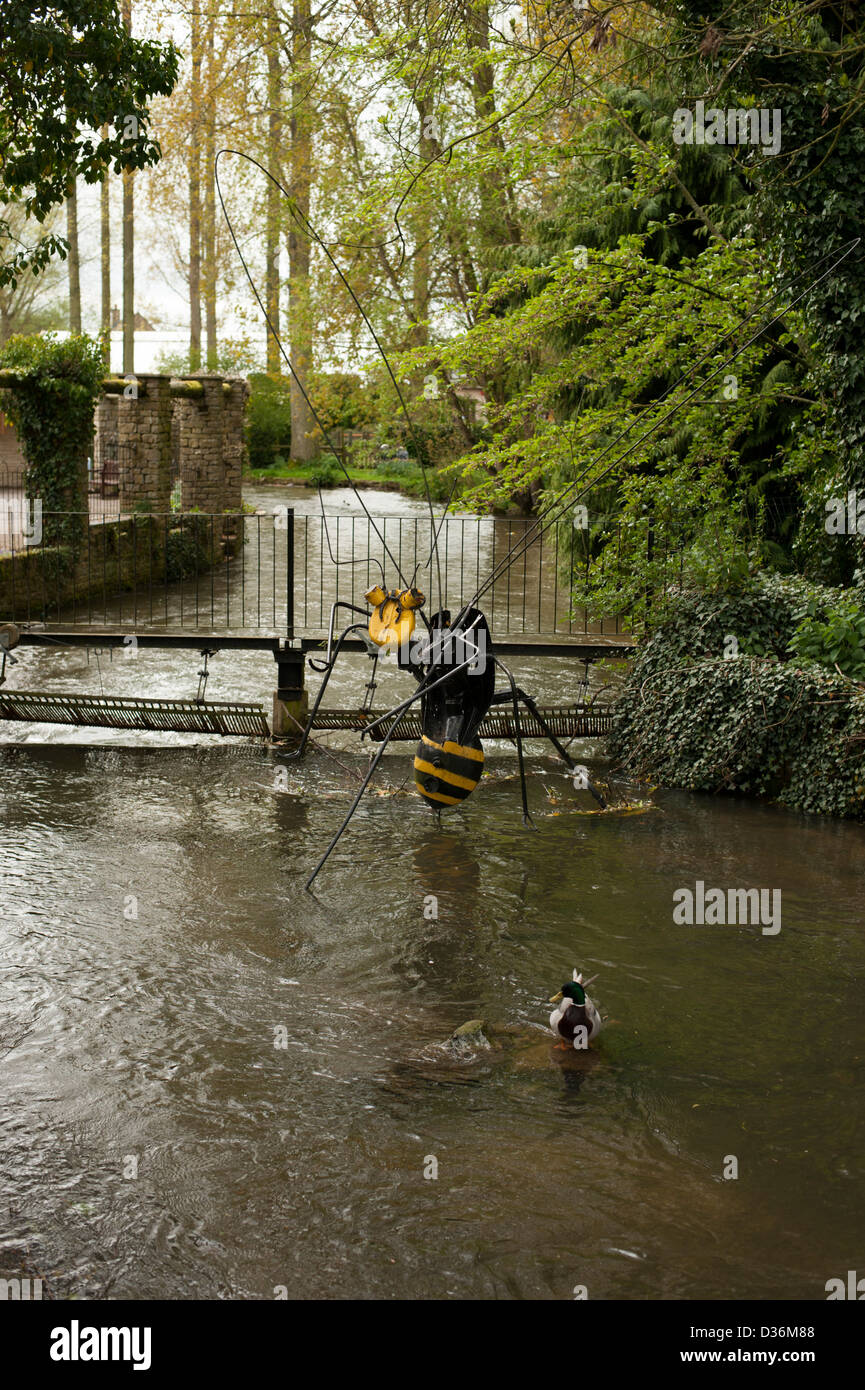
(74, 261)
(303, 445)
(128, 244)
(208, 219)
(69, 67)
(274, 203)
(31, 304)
(194, 165)
(105, 264)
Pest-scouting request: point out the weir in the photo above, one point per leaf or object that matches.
(123, 712)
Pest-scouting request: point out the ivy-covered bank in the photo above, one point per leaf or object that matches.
(760, 692)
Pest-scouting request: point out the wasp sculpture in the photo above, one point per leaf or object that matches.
(454, 665)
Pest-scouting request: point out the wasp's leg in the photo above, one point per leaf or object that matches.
(353, 608)
(514, 694)
(327, 668)
(536, 714)
(366, 781)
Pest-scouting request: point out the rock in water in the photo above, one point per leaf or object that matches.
(473, 1029)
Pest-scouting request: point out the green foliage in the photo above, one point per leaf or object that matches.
(831, 635)
(636, 329)
(759, 721)
(397, 468)
(268, 419)
(69, 68)
(57, 384)
(343, 401)
(326, 472)
(188, 549)
(433, 438)
(810, 199)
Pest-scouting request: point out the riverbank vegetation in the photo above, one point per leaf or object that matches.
(761, 691)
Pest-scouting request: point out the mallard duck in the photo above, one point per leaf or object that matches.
(575, 1011)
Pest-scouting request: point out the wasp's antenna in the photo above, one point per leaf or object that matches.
(368, 560)
(307, 226)
(285, 356)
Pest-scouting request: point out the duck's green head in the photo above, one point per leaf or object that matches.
(571, 991)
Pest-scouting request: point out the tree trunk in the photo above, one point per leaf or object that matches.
(498, 223)
(208, 226)
(128, 245)
(303, 447)
(194, 166)
(274, 149)
(73, 262)
(105, 264)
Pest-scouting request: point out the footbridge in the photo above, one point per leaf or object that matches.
(266, 582)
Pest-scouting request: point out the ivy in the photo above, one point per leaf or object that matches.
(55, 386)
(767, 712)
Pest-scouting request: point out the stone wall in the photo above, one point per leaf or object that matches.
(135, 425)
(202, 468)
(203, 414)
(233, 419)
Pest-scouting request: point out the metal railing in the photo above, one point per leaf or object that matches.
(340, 556)
(280, 573)
(225, 572)
(106, 474)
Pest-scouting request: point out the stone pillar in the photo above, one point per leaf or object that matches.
(290, 699)
(201, 444)
(235, 396)
(144, 446)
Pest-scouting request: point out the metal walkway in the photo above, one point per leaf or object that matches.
(566, 721)
(245, 720)
(121, 712)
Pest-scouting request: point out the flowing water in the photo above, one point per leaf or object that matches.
(217, 1085)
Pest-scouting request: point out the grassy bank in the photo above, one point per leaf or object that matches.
(396, 477)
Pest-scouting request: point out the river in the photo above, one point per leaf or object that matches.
(219, 1086)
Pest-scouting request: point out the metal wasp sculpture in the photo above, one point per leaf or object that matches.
(454, 666)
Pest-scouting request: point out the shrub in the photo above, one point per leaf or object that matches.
(772, 720)
(832, 635)
(187, 548)
(342, 401)
(327, 472)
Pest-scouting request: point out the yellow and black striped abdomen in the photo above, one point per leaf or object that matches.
(446, 773)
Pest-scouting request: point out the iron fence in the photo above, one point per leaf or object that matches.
(278, 572)
(340, 556)
(226, 572)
